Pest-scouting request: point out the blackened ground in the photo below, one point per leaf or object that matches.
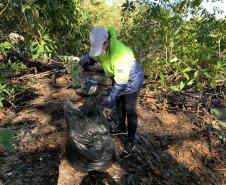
(172, 148)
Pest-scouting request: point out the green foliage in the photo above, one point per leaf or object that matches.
(4, 91)
(64, 23)
(7, 70)
(101, 14)
(42, 48)
(5, 46)
(128, 6)
(174, 51)
(7, 139)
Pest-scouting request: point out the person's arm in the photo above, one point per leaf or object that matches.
(86, 60)
(117, 90)
(121, 78)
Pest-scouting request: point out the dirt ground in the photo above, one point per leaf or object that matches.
(172, 148)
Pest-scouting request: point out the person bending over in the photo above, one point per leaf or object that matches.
(118, 63)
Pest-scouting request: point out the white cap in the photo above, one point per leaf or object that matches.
(97, 38)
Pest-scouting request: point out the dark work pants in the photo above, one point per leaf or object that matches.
(126, 108)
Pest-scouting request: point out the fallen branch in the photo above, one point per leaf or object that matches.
(46, 73)
(5, 7)
(219, 169)
(209, 138)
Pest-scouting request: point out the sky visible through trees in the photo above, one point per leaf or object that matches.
(209, 5)
(219, 4)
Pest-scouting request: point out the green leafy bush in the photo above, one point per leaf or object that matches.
(5, 46)
(176, 52)
(7, 70)
(42, 48)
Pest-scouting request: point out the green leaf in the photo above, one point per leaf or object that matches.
(187, 69)
(196, 74)
(25, 7)
(162, 77)
(186, 76)
(207, 75)
(35, 12)
(182, 85)
(175, 59)
(190, 82)
(178, 87)
(175, 88)
(196, 3)
(5, 46)
(6, 91)
(35, 56)
(7, 139)
(1, 99)
(182, 5)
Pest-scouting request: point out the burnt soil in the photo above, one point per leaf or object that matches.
(173, 146)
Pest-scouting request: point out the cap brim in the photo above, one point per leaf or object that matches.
(96, 49)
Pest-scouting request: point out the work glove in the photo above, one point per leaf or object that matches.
(73, 58)
(111, 100)
(85, 61)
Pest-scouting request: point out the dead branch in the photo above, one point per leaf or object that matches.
(5, 7)
(46, 73)
(209, 138)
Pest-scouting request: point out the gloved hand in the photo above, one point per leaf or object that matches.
(111, 100)
(73, 58)
(85, 60)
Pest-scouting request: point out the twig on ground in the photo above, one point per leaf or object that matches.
(205, 161)
(209, 138)
(42, 74)
(197, 111)
(5, 7)
(10, 103)
(219, 169)
(163, 109)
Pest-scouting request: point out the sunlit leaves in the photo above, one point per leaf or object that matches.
(5, 46)
(184, 5)
(32, 9)
(4, 91)
(42, 48)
